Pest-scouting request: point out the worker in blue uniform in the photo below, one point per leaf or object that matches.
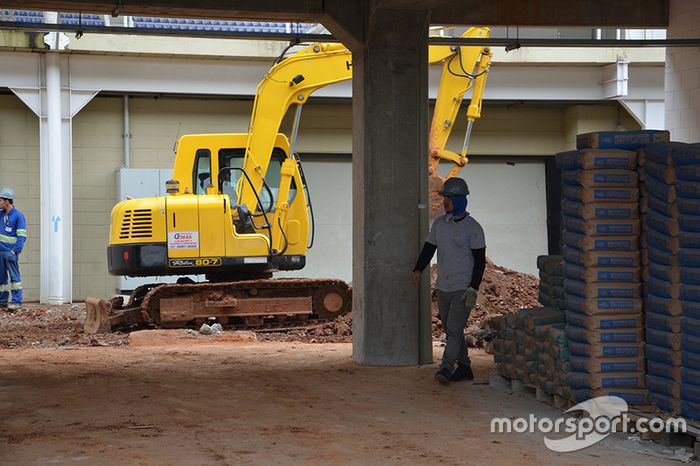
(13, 234)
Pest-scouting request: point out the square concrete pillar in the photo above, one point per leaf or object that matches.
(391, 317)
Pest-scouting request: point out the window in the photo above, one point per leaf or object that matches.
(202, 171)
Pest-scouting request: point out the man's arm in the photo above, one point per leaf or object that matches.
(425, 255)
(21, 233)
(479, 267)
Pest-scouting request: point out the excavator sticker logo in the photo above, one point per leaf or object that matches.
(203, 262)
(183, 240)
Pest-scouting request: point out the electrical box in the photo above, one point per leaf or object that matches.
(138, 183)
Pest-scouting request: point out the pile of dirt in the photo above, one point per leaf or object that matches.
(44, 326)
(503, 291)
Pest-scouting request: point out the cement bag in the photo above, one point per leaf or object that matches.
(551, 280)
(609, 350)
(691, 376)
(662, 355)
(690, 343)
(663, 322)
(663, 288)
(631, 140)
(690, 326)
(662, 223)
(506, 370)
(661, 305)
(665, 403)
(665, 192)
(599, 210)
(663, 386)
(603, 290)
(689, 359)
(607, 306)
(689, 206)
(690, 410)
(606, 380)
(669, 209)
(602, 258)
(660, 172)
(659, 152)
(544, 316)
(551, 264)
(663, 339)
(601, 274)
(643, 201)
(601, 365)
(575, 193)
(691, 309)
(690, 393)
(686, 154)
(690, 292)
(666, 371)
(644, 257)
(601, 178)
(546, 300)
(601, 243)
(592, 159)
(689, 240)
(665, 272)
(614, 227)
(688, 189)
(689, 257)
(560, 303)
(633, 396)
(662, 257)
(504, 357)
(690, 275)
(546, 289)
(689, 223)
(662, 241)
(620, 335)
(604, 321)
(688, 172)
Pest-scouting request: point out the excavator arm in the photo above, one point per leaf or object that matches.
(293, 80)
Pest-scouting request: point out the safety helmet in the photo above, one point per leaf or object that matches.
(7, 193)
(454, 187)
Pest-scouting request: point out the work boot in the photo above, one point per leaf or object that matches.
(443, 376)
(14, 307)
(462, 373)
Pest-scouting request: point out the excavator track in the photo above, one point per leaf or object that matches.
(250, 304)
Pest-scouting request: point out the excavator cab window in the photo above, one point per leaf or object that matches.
(202, 171)
(233, 158)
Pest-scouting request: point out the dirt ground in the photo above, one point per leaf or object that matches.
(181, 403)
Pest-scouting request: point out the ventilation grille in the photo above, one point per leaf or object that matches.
(136, 223)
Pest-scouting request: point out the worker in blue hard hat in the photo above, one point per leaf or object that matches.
(461, 261)
(13, 234)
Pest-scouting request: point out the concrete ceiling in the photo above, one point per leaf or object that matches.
(584, 13)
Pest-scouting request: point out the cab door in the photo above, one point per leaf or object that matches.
(214, 211)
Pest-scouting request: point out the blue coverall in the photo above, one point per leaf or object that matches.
(13, 234)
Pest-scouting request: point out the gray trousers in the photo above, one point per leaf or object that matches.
(454, 319)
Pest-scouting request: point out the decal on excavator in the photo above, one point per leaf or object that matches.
(202, 262)
(183, 240)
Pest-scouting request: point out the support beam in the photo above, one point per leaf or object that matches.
(595, 13)
(391, 318)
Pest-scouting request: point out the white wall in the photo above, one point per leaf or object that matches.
(682, 83)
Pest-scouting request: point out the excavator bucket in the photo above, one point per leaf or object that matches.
(97, 317)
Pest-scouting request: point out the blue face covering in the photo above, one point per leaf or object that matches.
(459, 205)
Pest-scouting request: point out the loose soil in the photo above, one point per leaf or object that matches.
(258, 403)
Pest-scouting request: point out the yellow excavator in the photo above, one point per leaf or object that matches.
(238, 207)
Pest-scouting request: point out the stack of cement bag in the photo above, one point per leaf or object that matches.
(552, 358)
(518, 351)
(551, 293)
(660, 246)
(604, 324)
(687, 170)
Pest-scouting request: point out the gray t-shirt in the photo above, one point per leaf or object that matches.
(454, 242)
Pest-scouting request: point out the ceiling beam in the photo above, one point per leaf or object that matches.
(584, 13)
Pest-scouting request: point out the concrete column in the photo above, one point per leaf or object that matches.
(391, 318)
(682, 82)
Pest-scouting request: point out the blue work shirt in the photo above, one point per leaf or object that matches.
(13, 231)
